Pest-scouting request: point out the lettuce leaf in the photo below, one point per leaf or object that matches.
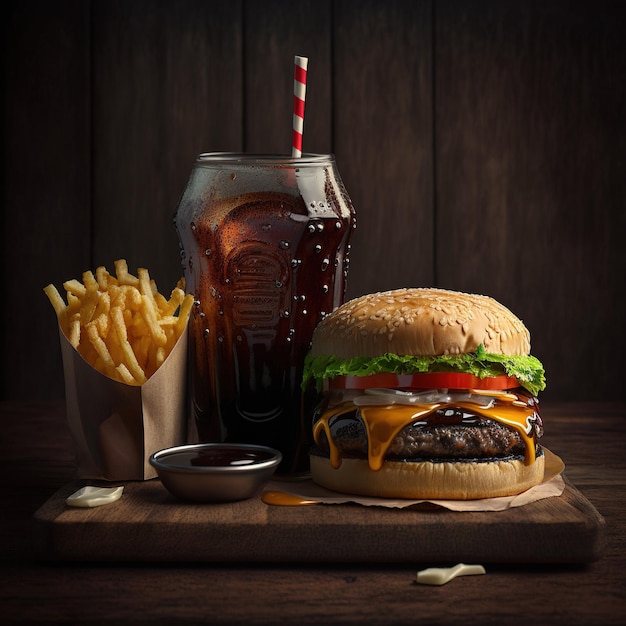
(527, 369)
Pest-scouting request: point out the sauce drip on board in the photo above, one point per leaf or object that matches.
(279, 498)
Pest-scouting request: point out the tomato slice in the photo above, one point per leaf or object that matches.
(432, 380)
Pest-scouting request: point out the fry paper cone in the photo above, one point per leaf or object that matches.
(116, 427)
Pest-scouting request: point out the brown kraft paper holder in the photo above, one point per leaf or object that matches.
(116, 427)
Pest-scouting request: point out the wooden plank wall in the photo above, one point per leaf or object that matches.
(483, 144)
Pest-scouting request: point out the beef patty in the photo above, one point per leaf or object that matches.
(468, 437)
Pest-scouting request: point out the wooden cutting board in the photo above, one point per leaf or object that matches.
(149, 525)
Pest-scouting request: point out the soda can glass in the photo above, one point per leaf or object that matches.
(264, 245)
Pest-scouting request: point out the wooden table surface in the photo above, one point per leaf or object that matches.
(36, 459)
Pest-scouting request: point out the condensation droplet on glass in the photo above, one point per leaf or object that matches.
(193, 225)
(208, 252)
(233, 176)
(220, 339)
(325, 264)
(304, 311)
(284, 244)
(285, 313)
(296, 262)
(239, 338)
(311, 227)
(325, 289)
(279, 284)
(196, 303)
(302, 298)
(207, 331)
(338, 225)
(318, 247)
(320, 227)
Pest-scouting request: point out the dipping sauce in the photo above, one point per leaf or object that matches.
(219, 456)
(215, 472)
(222, 457)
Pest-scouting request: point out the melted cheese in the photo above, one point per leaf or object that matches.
(383, 423)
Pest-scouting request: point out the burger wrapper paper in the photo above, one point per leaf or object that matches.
(116, 427)
(552, 486)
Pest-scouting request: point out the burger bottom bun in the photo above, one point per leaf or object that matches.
(418, 480)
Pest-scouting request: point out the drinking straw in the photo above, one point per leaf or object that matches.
(299, 93)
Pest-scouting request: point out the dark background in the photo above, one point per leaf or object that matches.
(483, 144)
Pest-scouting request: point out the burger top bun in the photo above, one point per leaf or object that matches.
(420, 322)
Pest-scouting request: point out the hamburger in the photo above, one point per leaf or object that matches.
(426, 394)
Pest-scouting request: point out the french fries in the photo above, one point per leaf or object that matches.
(121, 324)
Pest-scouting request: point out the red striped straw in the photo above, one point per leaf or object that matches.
(299, 93)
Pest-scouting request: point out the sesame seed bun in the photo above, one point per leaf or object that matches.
(421, 322)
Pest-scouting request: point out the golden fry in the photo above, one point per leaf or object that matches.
(183, 314)
(73, 303)
(90, 282)
(102, 322)
(144, 282)
(141, 348)
(88, 305)
(98, 343)
(150, 317)
(123, 275)
(121, 324)
(104, 305)
(104, 278)
(176, 298)
(130, 360)
(75, 287)
(73, 333)
(56, 300)
(125, 375)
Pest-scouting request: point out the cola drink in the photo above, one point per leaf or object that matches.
(264, 245)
